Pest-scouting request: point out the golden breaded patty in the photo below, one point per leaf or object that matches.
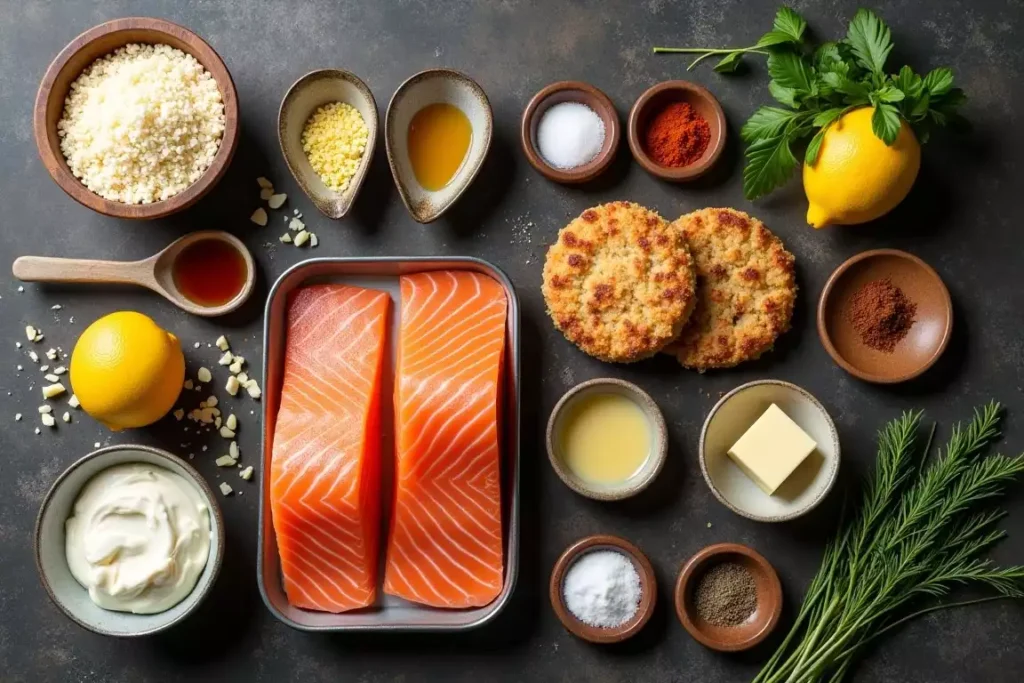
(746, 289)
(619, 282)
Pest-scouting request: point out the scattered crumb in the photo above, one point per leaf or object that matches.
(204, 375)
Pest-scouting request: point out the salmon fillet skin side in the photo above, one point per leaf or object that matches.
(325, 461)
(445, 543)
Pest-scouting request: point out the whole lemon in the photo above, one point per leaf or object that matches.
(857, 177)
(126, 371)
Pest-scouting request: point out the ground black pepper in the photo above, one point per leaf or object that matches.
(881, 313)
(726, 595)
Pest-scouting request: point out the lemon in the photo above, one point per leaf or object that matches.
(126, 371)
(857, 177)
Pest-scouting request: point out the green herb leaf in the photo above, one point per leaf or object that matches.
(857, 92)
(789, 70)
(789, 23)
(938, 81)
(729, 63)
(770, 163)
(827, 116)
(813, 147)
(783, 95)
(920, 107)
(886, 122)
(890, 93)
(773, 38)
(909, 82)
(870, 40)
(766, 122)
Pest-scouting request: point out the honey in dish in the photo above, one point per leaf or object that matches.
(605, 438)
(439, 137)
(209, 272)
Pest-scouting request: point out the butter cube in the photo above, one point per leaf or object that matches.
(771, 449)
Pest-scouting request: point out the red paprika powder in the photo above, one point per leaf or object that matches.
(677, 135)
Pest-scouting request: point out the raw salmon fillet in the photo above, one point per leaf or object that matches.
(445, 546)
(325, 462)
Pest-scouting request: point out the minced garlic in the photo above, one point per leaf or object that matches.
(334, 140)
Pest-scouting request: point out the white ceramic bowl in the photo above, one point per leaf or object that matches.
(430, 87)
(730, 419)
(65, 591)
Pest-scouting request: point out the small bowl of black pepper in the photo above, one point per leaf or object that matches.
(728, 597)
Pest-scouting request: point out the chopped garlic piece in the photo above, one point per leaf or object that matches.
(243, 378)
(52, 354)
(217, 422)
(235, 367)
(30, 332)
(222, 343)
(246, 473)
(52, 390)
(253, 389)
(48, 420)
(301, 238)
(204, 375)
(17, 417)
(264, 183)
(60, 370)
(44, 368)
(212, 402)
(232, 422)
(259, 217)
(266, 193)
(66, 417)
(295, 225)
(232, 386)
(206, 415)
(227, 433)
(73, 401)
(277, 201)
(45, 409)
(34, 356)
(51, 377)
(187, 384)
(286, 238)
(225, 461)
(179, 414)
(225, 488)
(313, 241)
(233, 450)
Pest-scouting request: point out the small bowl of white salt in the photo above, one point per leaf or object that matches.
(570, 132)
(603, 589)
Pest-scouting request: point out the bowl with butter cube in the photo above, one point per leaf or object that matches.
(769, 451)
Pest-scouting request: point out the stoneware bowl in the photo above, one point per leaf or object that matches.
(73, 599)
(659, 440)
(758, 625)
(927, 337)
(431, 87)
(730, 418)
(648, 590)
(570, 91)
(84, 50)
(661, 95)
(313, 90)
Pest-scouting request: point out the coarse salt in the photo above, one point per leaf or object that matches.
(602, 589)
(570, 135)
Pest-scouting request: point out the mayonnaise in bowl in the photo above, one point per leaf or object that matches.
(138, 538)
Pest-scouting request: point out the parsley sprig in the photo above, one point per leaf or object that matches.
(818, 84)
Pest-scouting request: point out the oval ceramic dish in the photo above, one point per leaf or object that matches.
(805, 488)
(758, 625)
(661, 95)
(648, 589)
(65, 591)
(651, 467)
(313, 90)
(570, 91)
(927, 338)
(84, 50)
(430, 87)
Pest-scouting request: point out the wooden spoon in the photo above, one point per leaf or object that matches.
(154, 273)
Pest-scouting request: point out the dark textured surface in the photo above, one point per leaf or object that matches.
(962, 217)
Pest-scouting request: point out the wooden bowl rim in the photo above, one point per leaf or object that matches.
(824, 306)
(648, 590)
(684, 173)
(592, 168)
(57, 166)
(700, 560)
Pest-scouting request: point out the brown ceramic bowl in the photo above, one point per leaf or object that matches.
(663, 94)
(570, 91)
(648, 590)
(769, 598)
(84, 50)
(927, 338)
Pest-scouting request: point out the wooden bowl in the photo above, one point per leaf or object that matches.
(314, 90)
(663, 94)
(570, 91)
(84, 50)
(927, 337)
(758, 626)
(648, 589)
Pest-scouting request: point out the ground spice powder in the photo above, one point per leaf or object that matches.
(726, 595)
(881, 313)
(677, 135)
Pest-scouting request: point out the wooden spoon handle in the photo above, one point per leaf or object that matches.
(47, 269)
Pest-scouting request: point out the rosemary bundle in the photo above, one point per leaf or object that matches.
(921, 529)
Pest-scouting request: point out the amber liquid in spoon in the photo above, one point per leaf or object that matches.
(209, 272)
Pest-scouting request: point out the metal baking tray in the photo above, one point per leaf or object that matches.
(389, 613)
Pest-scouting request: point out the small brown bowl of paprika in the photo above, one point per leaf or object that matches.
(677, 131)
